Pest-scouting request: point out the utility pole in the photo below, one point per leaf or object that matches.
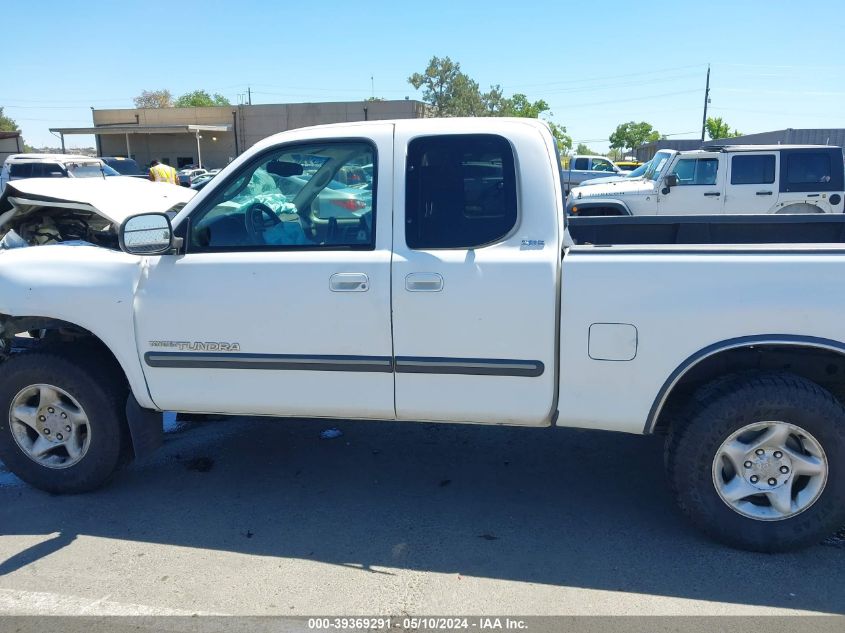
(706, 101)
(372, 88)
(249, 90)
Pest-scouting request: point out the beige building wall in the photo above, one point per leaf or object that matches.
(253, 123)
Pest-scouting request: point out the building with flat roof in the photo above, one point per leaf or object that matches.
(789, 136)
(10, 143)
(214, 136)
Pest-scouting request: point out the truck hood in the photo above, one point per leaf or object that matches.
(625, 186)
(114, 199)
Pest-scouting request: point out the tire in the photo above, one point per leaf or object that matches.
(697, 463)
(86, 382)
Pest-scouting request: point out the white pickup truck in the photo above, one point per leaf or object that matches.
(730, 180)
(583, 168)
(456, 293)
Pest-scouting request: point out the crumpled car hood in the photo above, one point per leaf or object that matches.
(114, 198)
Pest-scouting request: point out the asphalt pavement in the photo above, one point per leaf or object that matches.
(262, 516)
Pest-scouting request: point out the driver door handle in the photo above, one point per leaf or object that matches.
(713, 193)
(349, 282)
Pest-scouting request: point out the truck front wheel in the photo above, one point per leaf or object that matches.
(62, 426)
(758, 462)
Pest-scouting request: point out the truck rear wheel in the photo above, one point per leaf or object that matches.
(62, 422)
(759, 463)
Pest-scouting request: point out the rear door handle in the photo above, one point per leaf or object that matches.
(764, 193)
(713, 193)
(349, 282)
(423, 282)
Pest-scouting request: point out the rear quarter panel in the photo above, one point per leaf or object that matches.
(680, 303)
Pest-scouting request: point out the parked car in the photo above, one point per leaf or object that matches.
(636, 173)
(124, 166)
(186, 176)
(335, 200)
(627, 165)
(20, 166)
(730, 179)
(198, 182)
(583, 168)
(463, 297)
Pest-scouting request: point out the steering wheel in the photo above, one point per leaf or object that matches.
(256, 222)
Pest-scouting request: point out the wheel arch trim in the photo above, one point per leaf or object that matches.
(130, 366)
(600, 202)
(784, 340)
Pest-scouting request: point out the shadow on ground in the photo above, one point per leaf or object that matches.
(554, 506)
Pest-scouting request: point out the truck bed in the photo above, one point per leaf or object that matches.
(707, 229)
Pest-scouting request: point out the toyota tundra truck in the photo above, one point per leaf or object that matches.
(458, 292)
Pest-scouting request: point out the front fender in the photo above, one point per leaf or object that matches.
(88, 286)
(587, 203)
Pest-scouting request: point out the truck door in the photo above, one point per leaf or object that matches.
(752, 182)
(281, 305)
(475, 273)
(701, 181)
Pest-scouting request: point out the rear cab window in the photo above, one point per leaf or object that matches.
(460, 191)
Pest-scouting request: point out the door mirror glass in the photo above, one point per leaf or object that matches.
(147, 234)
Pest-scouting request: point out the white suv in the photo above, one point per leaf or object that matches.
(731, 180)
(19, 166)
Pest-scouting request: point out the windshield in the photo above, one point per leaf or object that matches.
(656, 165)
(639, 171)
(125, 166)
(89, 170)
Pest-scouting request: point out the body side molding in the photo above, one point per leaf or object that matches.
(297, 362)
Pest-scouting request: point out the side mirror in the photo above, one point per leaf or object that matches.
(670, 181)
(146, 234)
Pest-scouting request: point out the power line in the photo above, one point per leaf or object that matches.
(613, 101)
(605, 77)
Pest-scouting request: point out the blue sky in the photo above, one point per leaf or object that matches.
(775, 64)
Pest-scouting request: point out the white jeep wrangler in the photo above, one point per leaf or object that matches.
(729, 180)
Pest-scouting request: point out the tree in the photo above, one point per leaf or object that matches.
(631, 135)
(154, 99)
(7, 124)
(520, 106)
(717, 128)
(200, 99)
(448, 91)
(584, 150)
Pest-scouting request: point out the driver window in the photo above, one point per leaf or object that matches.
(305, 196)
